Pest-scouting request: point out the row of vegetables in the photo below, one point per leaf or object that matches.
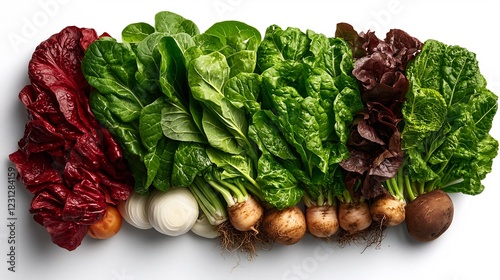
(251, 139)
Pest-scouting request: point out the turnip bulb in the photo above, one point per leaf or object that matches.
(388, 210)
(354, 217)
(322, 221)
(429, 215)
(246, 215)
(287, 226)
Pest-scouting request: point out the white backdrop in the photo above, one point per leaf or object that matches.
(463, 252)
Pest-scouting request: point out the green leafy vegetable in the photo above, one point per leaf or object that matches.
(448, 116)
(311, 97)
(140, 91)
(136, 32)
(286, 117)
(190, 160)
(172, 23)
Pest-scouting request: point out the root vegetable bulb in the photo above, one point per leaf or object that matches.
(354, 217)
(322, 221)
(429, 215)
(173, 212)
(204, 228)
(108, 226)
(287, 226)
(245, 216)
(134, 211)
(388, 210)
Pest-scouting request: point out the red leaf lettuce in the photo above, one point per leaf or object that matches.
(71, 165)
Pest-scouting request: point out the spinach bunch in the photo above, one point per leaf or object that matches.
(137, 82)
(309, 100)
(225, 83)
(180, 102)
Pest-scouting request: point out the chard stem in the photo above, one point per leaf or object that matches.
(308, 202)
(409, 188)
(400, 183)
(392, 186)
(396, 185)
(209, 194)
(321, 198)
(421, 188)
(208, 201)
(238, 194)
(429, 186)
(331, 198)
(241, 187)
(346, 197)
(226, 194)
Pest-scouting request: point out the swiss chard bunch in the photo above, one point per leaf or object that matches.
(447, 118)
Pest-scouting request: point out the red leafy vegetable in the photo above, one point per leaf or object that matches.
(71, 165)
(375, 138)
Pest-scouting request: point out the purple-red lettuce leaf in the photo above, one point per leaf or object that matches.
(70, 164)
(375, 138)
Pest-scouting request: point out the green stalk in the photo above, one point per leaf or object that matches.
(430, 186)
(330, 198)
(346, 197)
(230, 192)
(321, 200)
(308, 201)
(210, 204)
(236, 192)
(226, 194)
(254, 190)
(392, 186)
(409, 189)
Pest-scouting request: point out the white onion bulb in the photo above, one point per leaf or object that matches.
(204, 228)
(173, 212)
(134, 211)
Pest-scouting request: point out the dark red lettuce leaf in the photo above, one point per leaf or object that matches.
(351, 36)
(375, 138)
(85, 204)
(65, 234)
(40, 136)
(404, 47)
(35, 170)
(381, 71)
(71, 165)
(375, 148)
(56, 67)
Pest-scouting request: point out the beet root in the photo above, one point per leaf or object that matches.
(429, 215)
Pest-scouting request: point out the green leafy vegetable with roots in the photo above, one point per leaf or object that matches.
(253, 126)
(446, 140)
(310, 96)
